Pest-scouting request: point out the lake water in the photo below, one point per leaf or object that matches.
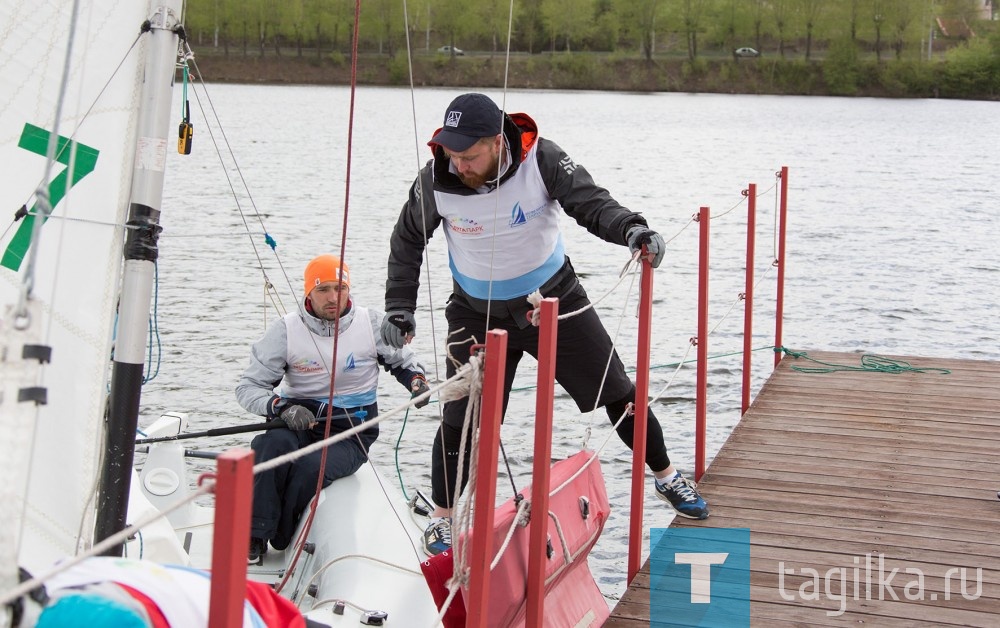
(893, 225)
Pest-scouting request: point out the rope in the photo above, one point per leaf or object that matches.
(207, 486)
(419, 147)
(562, 538)
(462, 509)
(516, 522)
(115, 539)
(336, 329)
(673, 375)
(535, 298)
(452, 592)
(308, 449)
(870, 363)
(395, 450)
(472, 416)
(332, 562)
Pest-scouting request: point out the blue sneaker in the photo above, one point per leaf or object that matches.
(682, 494)
(437, 536)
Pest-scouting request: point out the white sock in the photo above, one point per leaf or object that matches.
(668, 479)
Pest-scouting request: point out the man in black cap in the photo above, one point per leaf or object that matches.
(485, 159)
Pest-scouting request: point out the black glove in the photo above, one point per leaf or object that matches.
(639, 235)
(278, 404)
(418, 386)
(298, 418)
(396, 326)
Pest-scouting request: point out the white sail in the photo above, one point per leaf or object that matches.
(77, 260)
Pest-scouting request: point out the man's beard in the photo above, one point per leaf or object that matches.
(476, 180)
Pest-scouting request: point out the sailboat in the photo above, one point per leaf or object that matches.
(70, 138)
(86, 128)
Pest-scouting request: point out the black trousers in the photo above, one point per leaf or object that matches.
(582, 348)
(281, 495)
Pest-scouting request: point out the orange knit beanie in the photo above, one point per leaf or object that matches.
(326, 268)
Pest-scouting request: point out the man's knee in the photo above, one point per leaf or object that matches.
(616, 408)
(342, 459)
(274, 443)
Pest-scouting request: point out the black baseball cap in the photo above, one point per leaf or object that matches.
(469, 118)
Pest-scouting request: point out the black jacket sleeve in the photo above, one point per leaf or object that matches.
(414, 227)
(589, 204)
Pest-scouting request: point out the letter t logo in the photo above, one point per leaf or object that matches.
(701, 573)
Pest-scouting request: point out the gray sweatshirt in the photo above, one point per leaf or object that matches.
(268, 357)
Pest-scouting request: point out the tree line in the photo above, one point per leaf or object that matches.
(787, 28)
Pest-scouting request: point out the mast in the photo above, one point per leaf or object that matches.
(140, 253)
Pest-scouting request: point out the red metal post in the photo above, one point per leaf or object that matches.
(641, 412)
(748, 296)
(538, 534)
(233, 499)
(701, 394)
(779, 311)
(481, 547)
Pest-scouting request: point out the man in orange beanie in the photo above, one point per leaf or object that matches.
(288, 379)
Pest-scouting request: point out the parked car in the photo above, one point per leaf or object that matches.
(447, 50)
(745, 52)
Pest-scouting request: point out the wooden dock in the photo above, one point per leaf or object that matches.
(831, 471)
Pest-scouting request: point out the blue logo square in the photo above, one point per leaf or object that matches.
(699, 577)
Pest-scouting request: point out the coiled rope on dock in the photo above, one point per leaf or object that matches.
(870, 363)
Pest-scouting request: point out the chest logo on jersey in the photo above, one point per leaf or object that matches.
(519, 217)
(305, 365)
(349, 364)
(464, 226)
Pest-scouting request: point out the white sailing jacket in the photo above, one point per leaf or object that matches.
(541, 181)
(308, 357)
(270, 365)
(509, 237)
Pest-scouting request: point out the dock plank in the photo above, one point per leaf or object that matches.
(830, 470)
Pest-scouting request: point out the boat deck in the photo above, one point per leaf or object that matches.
(827, 470)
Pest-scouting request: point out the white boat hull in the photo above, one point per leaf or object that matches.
(364, 546)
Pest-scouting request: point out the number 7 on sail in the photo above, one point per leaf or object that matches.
(36, 140)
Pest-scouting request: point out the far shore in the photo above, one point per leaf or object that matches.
(583, 71)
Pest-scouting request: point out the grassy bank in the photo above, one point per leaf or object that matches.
(832, 76)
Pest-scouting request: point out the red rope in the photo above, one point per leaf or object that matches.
(300, 541)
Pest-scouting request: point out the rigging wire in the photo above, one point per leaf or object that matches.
(189, 57)
(321, 475)
(268, 286)
(423, 222)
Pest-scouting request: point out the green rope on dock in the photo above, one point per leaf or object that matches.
(869, 363)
